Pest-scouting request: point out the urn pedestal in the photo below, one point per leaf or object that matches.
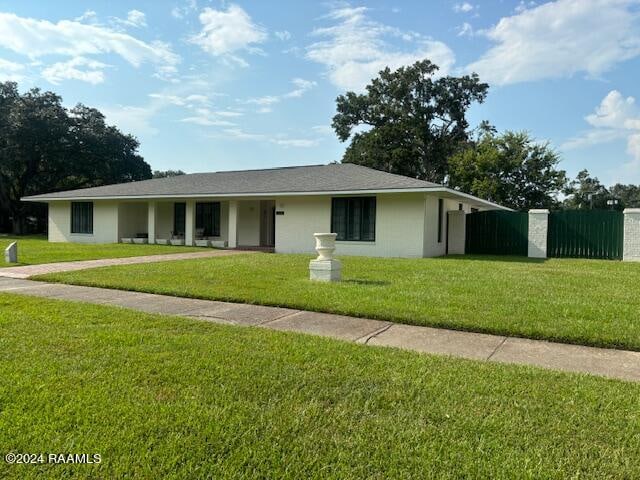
(325, 268)
(11, 253)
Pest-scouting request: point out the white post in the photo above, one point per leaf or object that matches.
(190, 223)
(233, 224)
(151, 222)
(11, 253)
(538, 226)
(631, 248)
(325, 268)
(457, 232)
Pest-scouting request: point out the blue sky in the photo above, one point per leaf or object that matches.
(211, 85)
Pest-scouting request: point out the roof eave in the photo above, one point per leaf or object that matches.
(476, 200)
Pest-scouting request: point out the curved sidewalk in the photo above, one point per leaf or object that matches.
(27, 271)
(618, 364)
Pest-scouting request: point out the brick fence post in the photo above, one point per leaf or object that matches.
(631, 249)
(538, 226)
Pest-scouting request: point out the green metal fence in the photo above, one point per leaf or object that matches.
(497, 232)
(585, 234)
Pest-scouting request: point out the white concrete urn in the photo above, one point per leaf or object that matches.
(325, 268)
(325, 245)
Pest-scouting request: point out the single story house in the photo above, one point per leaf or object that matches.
(374, 213)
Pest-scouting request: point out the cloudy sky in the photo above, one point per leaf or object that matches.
(213, 85)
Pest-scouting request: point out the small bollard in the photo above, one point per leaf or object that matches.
(11, 253)
(325, 268)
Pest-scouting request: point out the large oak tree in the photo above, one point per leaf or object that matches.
(46, 147)
(409, 121)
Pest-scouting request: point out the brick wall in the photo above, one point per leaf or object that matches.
(538, 225)
(631, 251)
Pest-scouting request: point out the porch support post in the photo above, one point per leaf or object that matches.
(457, 232)
(631, 241)
(538, 227)
(190, 223)
(233, 224)
(151, 221)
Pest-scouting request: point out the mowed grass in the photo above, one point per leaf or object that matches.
(166, 397)
(36, 249)
(578, 301)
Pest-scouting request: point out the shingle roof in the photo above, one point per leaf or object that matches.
(316, 178)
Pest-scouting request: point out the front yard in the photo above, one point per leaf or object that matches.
(578, 301)
(36, 249)
(165, 397)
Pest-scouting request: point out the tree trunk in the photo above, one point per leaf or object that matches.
(17, 223)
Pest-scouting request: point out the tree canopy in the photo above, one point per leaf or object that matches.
(408, 122)
(586, 192)
(46, 147)
(510, 169)
(167, 173)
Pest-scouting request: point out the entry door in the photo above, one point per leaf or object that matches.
(267, 223)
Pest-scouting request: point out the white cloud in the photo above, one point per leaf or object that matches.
(225, 32)
(78, 68)
(207, 122)
(524, 5)
(182, 11)
(296, 142)
(10, 71)
(464, 7)
(283, 35)
(280, 140)
(323, 129)
(560, 39)
(38, 38)
(132, 119)
(614, 111)
(593, 137)
(465, 30)
(355, 49)
(301, 86)
(197, 106)
(135, 18)
(89, 16)
(240, 134)
(186, 100)
(616, 117)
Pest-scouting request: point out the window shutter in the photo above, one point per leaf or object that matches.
(339, 218)
(216, 219)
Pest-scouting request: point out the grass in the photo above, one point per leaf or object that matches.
(165, 397)
(36, 249)
(586, 302)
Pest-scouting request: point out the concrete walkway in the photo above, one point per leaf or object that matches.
(572, 358)
(27, 271)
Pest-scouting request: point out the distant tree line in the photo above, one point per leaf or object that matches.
(46, 147)
(412, 122)
(167, 173)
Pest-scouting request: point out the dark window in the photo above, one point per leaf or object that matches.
(354, 218)
(81, 217)
(208, 219)
(440, 218)
(179, 216)
(460, 206)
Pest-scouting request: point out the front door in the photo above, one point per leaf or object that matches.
(267, 223)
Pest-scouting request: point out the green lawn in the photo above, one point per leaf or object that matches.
(165, 397)
(35, 249)
(580, 301)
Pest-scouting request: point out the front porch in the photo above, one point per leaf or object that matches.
(242, 223)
